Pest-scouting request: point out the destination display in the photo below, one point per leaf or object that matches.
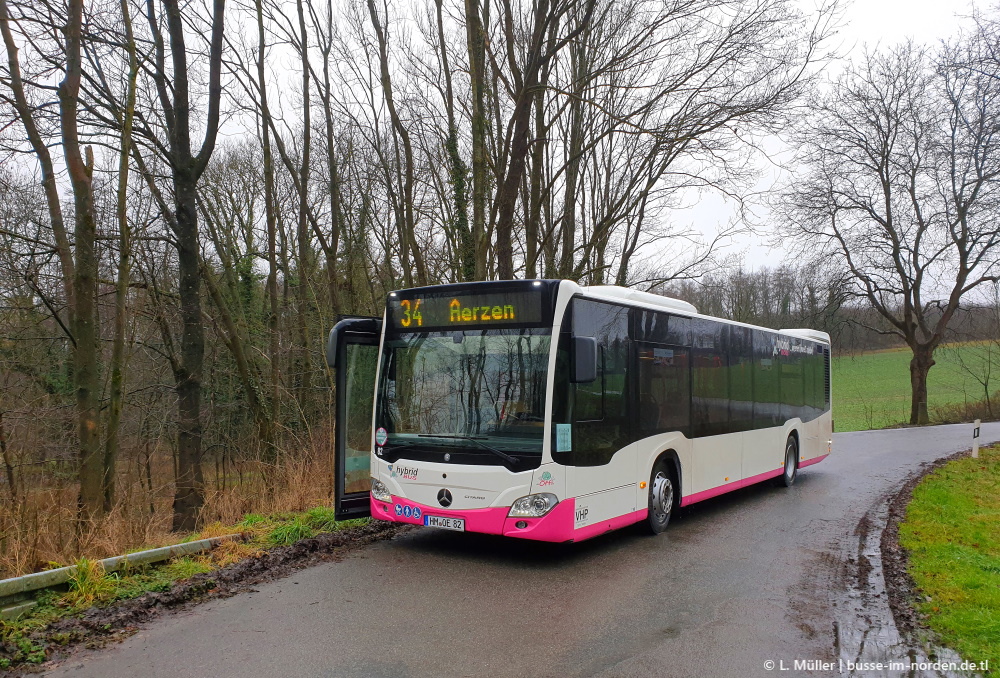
(514, 308)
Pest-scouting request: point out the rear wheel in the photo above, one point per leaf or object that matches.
(791, 470)
(662, 498)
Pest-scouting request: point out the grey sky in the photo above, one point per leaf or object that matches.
(866, 22)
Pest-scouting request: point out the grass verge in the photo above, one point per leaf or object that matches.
(952, 535)
(30, 639)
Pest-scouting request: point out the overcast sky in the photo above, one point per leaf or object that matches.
(870, 22)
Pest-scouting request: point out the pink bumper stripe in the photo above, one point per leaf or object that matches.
(603, 526)
(556, 526)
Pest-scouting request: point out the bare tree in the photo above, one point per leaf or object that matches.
(899, 182)
(81, 272)
(172, 84)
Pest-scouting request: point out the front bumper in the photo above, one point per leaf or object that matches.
(555, 526)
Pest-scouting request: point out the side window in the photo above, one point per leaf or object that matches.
(740, 378)
(766, 381)
(826, 378)
(597, 412)
(792, 378)
(663, 328)
(815, 382)
(710, 378)
(664, 389)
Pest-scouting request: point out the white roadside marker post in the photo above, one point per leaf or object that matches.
(975, 440)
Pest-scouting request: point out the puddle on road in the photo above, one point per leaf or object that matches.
(864, 630)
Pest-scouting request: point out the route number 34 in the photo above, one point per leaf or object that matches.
(411, 313)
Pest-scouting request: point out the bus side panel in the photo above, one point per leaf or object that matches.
(814, 438)
(587, 482)
(763, 450)
(602, 507)
(718, 460)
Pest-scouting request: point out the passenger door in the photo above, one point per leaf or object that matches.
(352, 351)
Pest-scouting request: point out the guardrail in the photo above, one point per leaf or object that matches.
(15, 593)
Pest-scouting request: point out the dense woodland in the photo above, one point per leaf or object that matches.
(190, 193)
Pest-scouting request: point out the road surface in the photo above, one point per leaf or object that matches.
(735, 582)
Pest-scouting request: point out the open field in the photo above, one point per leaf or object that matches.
(952, 534)
(872, 390)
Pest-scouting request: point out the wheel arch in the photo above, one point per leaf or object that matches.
(794, 433)
(672, 460)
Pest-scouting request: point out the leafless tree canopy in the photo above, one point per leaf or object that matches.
(902, 181)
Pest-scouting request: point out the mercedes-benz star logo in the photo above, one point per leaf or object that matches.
(444, 498)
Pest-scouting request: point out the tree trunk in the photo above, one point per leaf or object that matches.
(8, 464)
(86, 378)
(920, 365)
(464, 259)
(273, 331)
(302, 301)
(121, 285)
(409, 240)
(477, 81)
(189, 495)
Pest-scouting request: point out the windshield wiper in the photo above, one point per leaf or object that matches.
(510, 459)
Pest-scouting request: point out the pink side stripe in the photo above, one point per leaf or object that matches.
(746, 482)
(814, 460)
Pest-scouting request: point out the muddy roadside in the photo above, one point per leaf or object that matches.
(872, 593)
(99, 626)
(900, 587)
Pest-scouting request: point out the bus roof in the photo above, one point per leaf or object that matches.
(648, 299)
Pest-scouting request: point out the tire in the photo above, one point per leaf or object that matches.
(662, 497)
(791, 465)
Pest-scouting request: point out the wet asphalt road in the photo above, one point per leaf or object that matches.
(735, 582)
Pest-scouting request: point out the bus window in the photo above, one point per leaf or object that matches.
(598, 411)
(664, 389)
(766, 381)
(740, 379)
(792, 379)
(710, 380)
(663, 328)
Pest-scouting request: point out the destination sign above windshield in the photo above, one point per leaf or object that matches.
(489, 309)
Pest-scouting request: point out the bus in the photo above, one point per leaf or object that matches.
(547, 410)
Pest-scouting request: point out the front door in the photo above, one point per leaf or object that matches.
(352, 351)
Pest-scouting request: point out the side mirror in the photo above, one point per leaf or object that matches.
(584, 368)
(351, 324)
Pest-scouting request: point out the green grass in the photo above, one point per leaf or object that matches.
(872, 390)
(952, 534)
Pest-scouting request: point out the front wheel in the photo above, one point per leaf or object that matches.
(662, 498)
(791, 471)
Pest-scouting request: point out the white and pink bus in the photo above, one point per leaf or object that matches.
(546, 410)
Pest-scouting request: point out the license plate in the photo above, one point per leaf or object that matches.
(457, 524)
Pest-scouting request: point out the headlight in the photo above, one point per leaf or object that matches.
(380, 491)
(533, 506)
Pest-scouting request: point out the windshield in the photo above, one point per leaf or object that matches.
(477, 396)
